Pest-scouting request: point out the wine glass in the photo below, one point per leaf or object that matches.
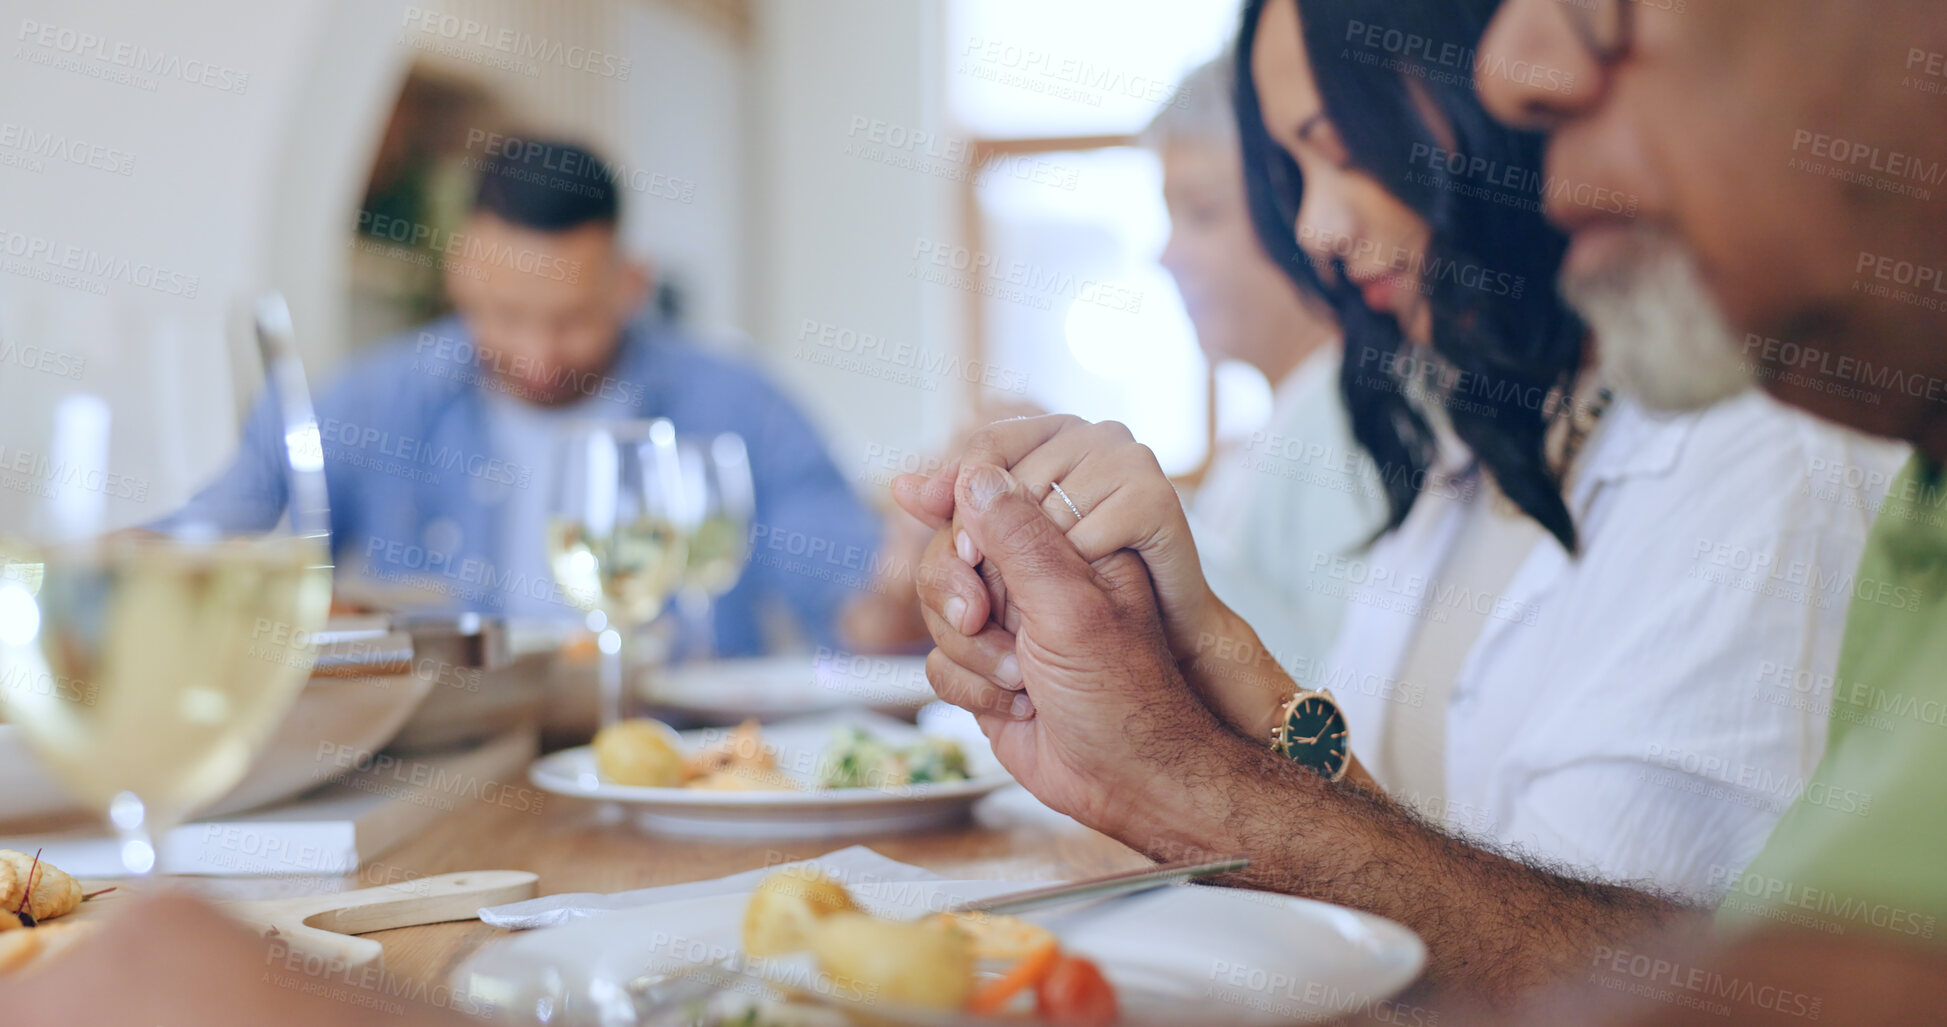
(165, 538)
(616, 539)
(721, 501)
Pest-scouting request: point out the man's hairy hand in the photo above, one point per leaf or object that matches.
(1101, 714)
(1096, 719)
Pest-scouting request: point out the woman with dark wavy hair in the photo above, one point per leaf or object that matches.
(1426, 217)
(1557, 644)
(1378, 180)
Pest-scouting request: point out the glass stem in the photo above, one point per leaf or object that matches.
(611, 677)
(699, 625)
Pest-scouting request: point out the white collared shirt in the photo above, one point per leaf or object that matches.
(1275, 510)
(1610, 717)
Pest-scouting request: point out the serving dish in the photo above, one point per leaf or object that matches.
(360, 692)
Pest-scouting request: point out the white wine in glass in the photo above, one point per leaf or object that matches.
(717, 553)
(161, 580)
(721, 501)
(627, 573)
(172, 682)
(615, 536)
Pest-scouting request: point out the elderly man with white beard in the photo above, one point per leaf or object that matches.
(1777, 145)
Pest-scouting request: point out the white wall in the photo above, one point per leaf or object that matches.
(683, 120)
(244, 130)
(832, 235)
(234, 188)
(253, 189)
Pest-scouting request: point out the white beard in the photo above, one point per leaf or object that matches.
(1662, 339)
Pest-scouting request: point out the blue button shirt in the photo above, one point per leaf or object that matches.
(420, 484)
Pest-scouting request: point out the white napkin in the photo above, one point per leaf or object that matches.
(854, 866)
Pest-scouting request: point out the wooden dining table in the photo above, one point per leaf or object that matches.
(578, 845)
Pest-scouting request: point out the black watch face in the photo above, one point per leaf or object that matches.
(1315, 735)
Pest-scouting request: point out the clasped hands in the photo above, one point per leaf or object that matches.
(1092, 652)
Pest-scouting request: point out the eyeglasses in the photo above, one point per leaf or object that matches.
(1606, 27)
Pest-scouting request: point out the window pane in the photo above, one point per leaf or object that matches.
(1244, 401)
(1075, 303)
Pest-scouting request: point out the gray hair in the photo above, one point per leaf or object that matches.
(1201, 111)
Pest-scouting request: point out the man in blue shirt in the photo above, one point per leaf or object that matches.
(437, 443)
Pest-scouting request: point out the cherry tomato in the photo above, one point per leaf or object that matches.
(1075, 994)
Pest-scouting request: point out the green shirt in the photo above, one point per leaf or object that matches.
(1864, 848)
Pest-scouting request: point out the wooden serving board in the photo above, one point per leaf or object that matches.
(324, 925)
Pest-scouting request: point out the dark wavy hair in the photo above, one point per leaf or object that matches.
(1512, 348)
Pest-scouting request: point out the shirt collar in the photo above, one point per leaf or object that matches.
(1634, 442)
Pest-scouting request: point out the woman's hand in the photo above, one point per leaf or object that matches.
(1126, 502)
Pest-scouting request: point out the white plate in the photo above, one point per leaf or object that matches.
(1178, 955)
(778, 687)
(810, 813)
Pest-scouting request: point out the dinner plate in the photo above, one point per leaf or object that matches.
(1177, 955)
(782, 687)
(808, 813)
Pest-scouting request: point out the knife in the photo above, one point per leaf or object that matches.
(1106, 886)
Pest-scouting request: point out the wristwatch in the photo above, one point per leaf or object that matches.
(1311, 731)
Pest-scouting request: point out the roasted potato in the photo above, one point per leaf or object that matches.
(639, 752)
(786, 906)
(25, 934)
(917, 964)
(55, 893)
